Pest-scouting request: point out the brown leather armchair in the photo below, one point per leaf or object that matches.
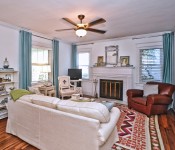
(152, 104)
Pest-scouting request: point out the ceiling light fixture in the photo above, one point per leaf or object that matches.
(81, 32)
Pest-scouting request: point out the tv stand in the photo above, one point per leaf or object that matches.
(78, 89)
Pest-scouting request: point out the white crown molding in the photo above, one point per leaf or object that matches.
(124, 38)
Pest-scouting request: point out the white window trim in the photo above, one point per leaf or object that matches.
(85, 50)
(49, 61)
(152, 47)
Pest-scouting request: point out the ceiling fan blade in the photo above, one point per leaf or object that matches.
(96, 30)
(98, 21)
(70, 21)
(65, 29)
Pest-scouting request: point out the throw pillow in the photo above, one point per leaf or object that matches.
(150, 89)
(34, 90)
(109, 105)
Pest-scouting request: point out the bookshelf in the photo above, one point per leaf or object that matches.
(8, 79)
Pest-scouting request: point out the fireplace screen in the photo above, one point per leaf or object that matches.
(112, 89)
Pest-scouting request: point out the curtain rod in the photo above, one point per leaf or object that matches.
(42, 37)
(84, 44)
(147, 37)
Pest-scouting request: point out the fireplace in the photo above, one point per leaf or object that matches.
(117, 74)
(112, 89)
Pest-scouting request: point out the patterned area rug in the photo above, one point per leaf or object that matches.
(137, 131)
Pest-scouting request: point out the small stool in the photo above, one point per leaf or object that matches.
(51, 93)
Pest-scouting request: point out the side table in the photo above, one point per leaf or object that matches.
(46, 89)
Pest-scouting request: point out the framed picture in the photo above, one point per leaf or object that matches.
(124, 60)
(111, 53)
(100, 61)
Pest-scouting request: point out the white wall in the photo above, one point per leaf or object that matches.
(9, 47)
(65, 52)
(128, 46)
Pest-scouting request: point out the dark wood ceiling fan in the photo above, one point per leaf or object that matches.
(84, 26)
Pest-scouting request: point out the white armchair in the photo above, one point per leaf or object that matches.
(65, 87)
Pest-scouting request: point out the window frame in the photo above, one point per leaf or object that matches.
(88, 50)
(141, 64)
(43, 64)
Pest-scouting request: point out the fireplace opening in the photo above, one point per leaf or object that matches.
(112, 89)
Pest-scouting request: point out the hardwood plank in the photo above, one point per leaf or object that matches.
(10, 142)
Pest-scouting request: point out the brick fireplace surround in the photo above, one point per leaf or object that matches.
(114, 73)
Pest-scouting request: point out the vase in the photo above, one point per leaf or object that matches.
(6, 63)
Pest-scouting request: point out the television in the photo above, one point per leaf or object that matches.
(75, 74)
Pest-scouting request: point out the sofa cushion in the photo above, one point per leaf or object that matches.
(46, 101)
(26, 98)
(88, 109)
(140, 100)
(150, 89)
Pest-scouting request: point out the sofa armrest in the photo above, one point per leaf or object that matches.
(107, 128)
(134, 93)
(158, 99)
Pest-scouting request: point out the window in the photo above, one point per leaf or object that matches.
(40, 65)
(83, 63)
(151, 63)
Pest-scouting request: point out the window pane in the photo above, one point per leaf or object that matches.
(38, 74)
(40, 57)
(85, 71)
(83, 61)
(83, 58)
(34, 55)
(151, 62)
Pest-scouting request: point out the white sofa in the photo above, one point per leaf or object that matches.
(51, 129)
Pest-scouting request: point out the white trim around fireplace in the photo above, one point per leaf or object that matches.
(114, 73)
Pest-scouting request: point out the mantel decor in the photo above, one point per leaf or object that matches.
(100, 61)
(111, 54)
(124, 60)
(6, 63)
(95, 81)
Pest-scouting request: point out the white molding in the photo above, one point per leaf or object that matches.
(114, 73)
(124, 38)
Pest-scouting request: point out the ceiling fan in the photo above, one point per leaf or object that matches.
(82, 28)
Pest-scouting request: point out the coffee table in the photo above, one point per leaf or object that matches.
(83, 99)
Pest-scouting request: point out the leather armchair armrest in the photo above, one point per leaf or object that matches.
(158, 99)
(134, 93)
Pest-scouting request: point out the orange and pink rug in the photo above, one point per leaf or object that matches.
(137, 131)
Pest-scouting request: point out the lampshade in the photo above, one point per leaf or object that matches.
(46, 68)
(81, 32)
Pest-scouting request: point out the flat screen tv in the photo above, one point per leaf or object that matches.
(75, 74)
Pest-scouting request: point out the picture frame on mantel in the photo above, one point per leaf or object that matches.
(111, 55)
(100, 61)
(124, 60)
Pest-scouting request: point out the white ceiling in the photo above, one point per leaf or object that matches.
(124, 17)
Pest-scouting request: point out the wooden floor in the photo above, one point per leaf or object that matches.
(167, 129)
(166, 124)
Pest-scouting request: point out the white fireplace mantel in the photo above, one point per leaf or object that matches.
(114, 73)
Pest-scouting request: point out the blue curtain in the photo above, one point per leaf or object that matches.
(55, 47)
(168, 52)
(74, 56)
(25, 66)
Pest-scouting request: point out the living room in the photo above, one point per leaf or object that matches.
(129, 28)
